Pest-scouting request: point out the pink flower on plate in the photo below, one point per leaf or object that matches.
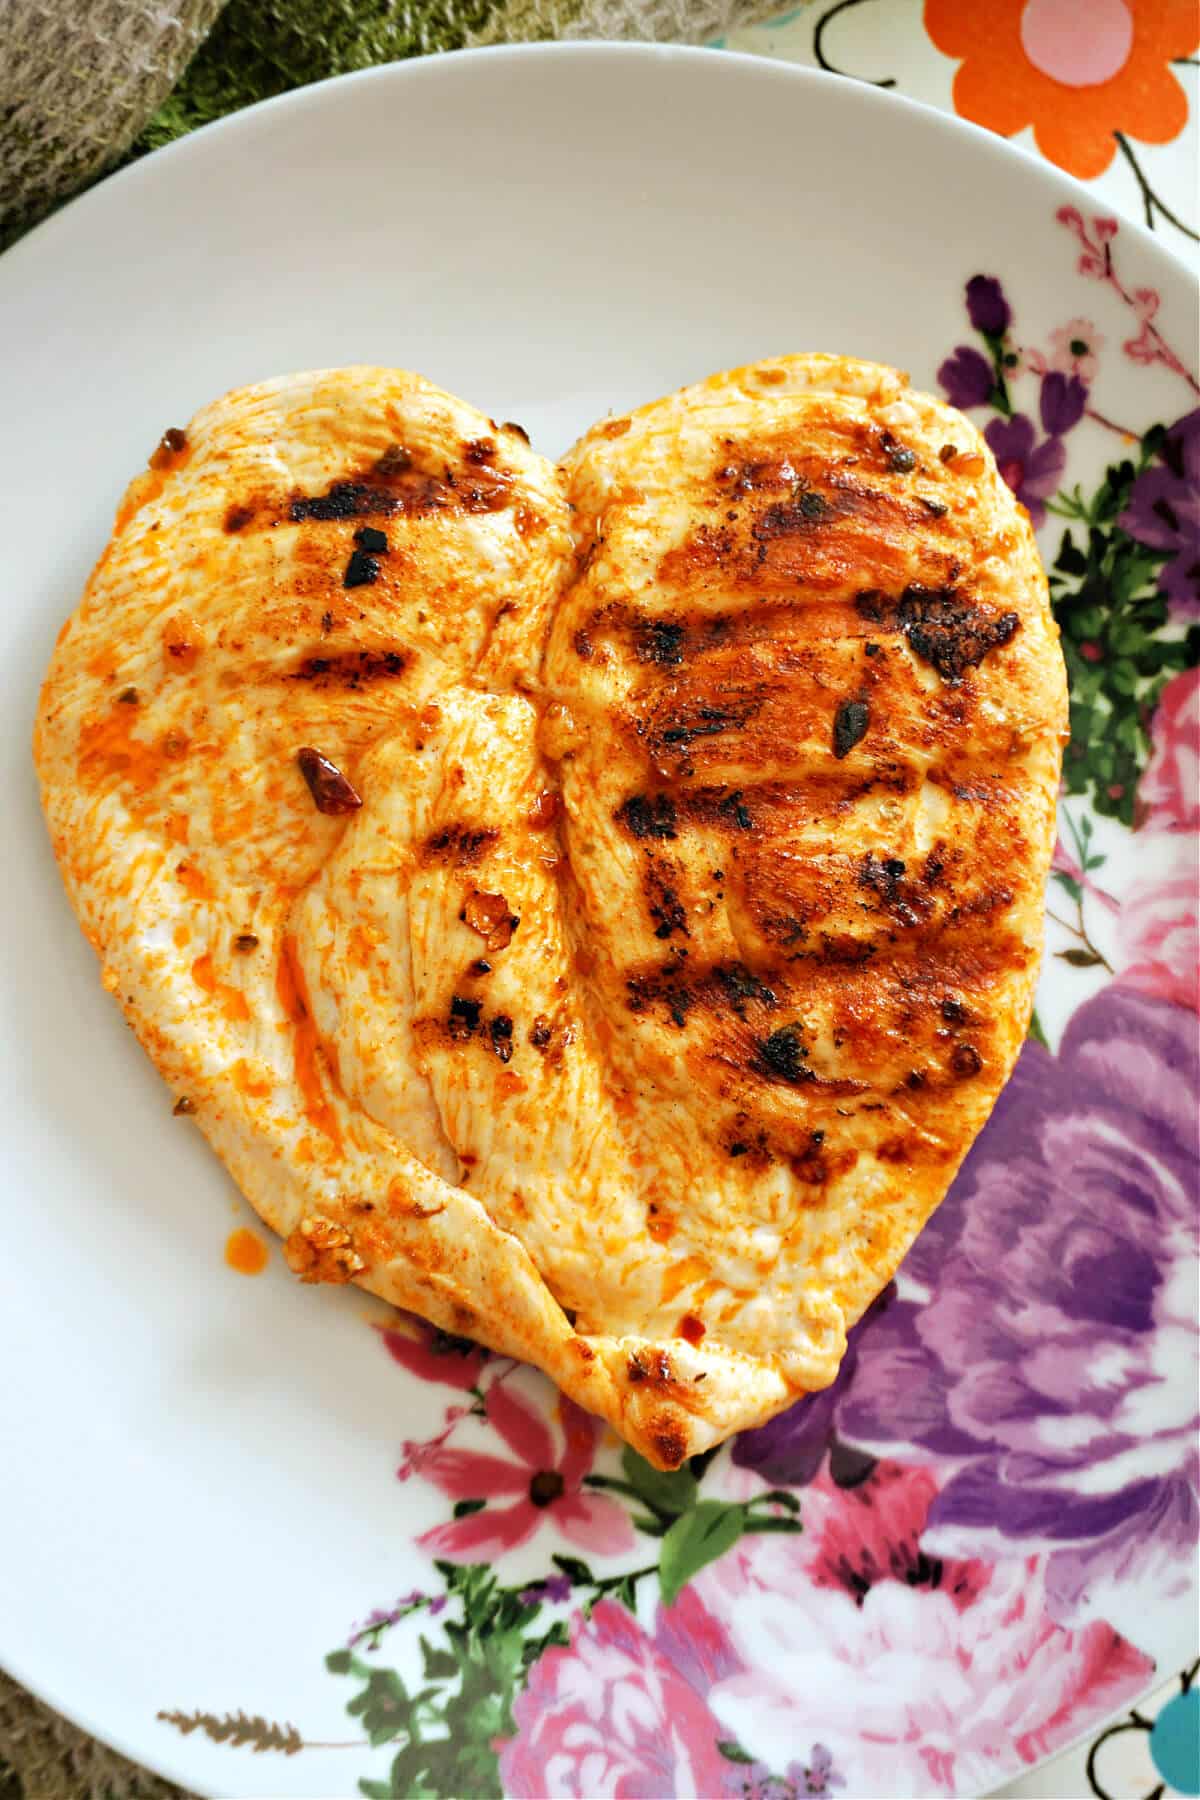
(543, 1484)
(1159, 928)
(1168, 796)
(622, 1714)
(1074, 349)
(1096, 258)
(921, 1677)
(433, 1355)
(1160, 936)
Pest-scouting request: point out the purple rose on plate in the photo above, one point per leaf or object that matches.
(987, 308)
(1063, 399)
(1032, 470)
(1164, 512)
(791, 1447)
(966, 377)
(1043, 1349)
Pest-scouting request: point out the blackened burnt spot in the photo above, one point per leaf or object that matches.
(395, 485)
(870, 604)
(949, 633)
(953, 1011)
(884, 876)
(648, 816)
(662, 988)
(786, 517)
(501, 1032)
(900, 459)
(352, 669)
(362, 570)
(460, 846)
(659, 641)
(850, 724)
(703, 722)
(237, 517)
(540, 1032)
(344, 500)
(583, 645)
(372, 541)
(667, 911)
(464, 1018)
(734, 808)
(650, 1365)
(518, 430)
(966, 1061)
(782, 1056)
(740, 987)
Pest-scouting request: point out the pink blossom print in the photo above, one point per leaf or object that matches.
(433, 1355)
(920, 1677)
(542, 1483)
(1160, 935)
(1169, 790)
(1075, 349)
(614, 1714)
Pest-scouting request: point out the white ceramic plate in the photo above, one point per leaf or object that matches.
(200, 1499)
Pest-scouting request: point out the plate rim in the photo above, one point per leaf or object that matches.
(20, 261)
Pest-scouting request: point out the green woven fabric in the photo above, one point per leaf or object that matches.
(262, 47)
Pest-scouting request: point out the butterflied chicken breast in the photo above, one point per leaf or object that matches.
(595, 908)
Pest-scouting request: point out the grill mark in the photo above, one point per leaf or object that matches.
(648, 816)
(392, 485)
(459, 845)
(350, 669)
(944, 628)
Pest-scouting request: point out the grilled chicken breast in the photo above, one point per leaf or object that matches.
(595, 908)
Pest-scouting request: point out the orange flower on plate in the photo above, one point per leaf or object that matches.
(1076, 70)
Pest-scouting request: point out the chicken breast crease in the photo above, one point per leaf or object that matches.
(595, 908)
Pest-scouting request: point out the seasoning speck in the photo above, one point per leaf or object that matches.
(544, 811)
(501, 1029)
(947, 453)
(128, 696)
(850, 726)
(464, 1018)
(331, 791)
(183, 1106)
(966, 1061)
(488, 915)
(168, 447)
(361, 571)
(244, 942)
